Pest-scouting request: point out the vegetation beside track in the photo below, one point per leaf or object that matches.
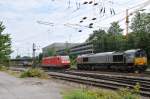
(31, 72)
(3, 68)
(124, 93)
(34, 72)
(11, 72)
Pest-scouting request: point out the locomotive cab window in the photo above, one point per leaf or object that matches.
(118, 58)
(140, 53)
(85, 59)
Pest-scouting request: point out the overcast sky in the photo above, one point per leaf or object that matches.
(20, 18)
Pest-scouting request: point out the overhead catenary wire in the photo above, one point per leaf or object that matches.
(107, 17)
(103, 9)
(140, 7)
(104, 18)
(143, 5)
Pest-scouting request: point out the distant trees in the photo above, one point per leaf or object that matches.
(67, 51)
(51, 52)
(108, 41)
(141, 31)
(141, 23)
(113, 39)
(5, 44)
(115, 29)
(2, 27)
(40, 56)
(18, 57)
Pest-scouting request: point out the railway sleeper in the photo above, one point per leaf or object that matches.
(115, 79)
(94, 82)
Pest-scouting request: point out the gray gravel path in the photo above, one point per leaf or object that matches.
(16, 88)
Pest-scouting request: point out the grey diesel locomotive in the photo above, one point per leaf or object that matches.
(130, 60)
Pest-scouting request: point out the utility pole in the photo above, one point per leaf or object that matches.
(127, 22)
(34, 49)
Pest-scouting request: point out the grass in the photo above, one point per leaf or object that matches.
(78, 94)
(124, 93)
(31, 72)
(34, 72)
(3, 68)
(14, 73)
(73, 64)
(6, 69)
(100, 94)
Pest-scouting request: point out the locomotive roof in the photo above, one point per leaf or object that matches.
(97, 54)
(105, 53)
(109, 53)
(132, 51)
(56, 56)
(118, 53)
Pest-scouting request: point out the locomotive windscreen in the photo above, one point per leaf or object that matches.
(65, 58)
(140, 53)
(118, 58)
(85, 59)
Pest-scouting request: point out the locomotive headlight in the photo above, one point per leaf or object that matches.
(65, 61)
(141, 61)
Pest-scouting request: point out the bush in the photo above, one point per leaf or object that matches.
(34, 72)
(14, 73)
(103, 94)
(124, 93)
(97, 94)
(73, 63)
(136, 89)
(3, 68)
(79, 94)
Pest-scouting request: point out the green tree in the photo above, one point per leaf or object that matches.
(5, 45)
(2, 27)
(96, 34)
(141, 22)
(51, 52)
(131, 41)
(98, 38)
(18, 57)
(113, 40)
(141, 27)
(67, 51)
(115, 29)
(40, 57)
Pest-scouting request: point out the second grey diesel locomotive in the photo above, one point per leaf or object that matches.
(130, 60)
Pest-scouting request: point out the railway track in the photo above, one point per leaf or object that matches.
(109, 81)
(106, 81)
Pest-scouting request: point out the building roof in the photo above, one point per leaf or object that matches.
(59, 45)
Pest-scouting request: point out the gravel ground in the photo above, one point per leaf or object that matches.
(32, 88)
(17, 88)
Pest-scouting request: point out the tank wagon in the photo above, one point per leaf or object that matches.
(130, 60)
(56, 62)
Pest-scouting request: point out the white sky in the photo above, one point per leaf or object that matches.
(20, 18)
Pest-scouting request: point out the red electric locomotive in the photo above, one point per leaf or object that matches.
(56, 62)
